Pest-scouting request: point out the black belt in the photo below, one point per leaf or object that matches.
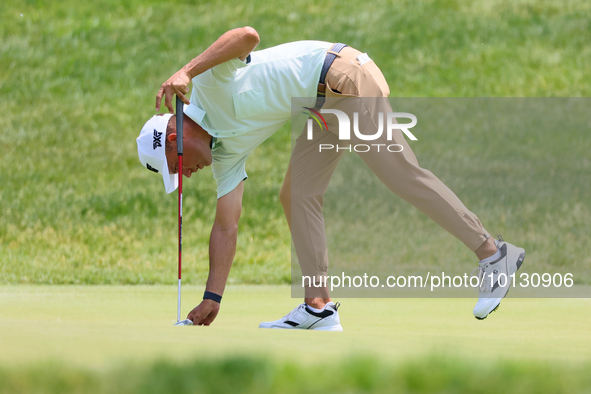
(330, 57)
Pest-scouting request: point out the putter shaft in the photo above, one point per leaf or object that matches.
(179, 142)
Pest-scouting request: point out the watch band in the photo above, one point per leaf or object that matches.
(208, 295)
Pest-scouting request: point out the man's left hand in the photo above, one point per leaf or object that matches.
(205, 313)
(177, 84)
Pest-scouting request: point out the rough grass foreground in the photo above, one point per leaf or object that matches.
(252, 375)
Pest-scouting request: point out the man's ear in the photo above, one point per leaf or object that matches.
(171, 137)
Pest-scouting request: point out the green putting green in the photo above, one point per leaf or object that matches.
(99, 326)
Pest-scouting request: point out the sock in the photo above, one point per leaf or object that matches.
(314, 309)
(492, 258)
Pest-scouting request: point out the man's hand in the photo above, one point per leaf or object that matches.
(177, 84)
(205, 313)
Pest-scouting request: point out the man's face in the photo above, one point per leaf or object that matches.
(196, 155)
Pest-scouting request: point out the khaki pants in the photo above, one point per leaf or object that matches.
(310, 171)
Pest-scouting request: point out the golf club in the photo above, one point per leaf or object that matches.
(179, 145)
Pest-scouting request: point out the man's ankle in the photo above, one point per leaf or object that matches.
(486, 250)
(317, 303)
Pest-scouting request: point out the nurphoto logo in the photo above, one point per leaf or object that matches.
(344, 131)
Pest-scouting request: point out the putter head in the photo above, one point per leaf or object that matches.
(185, 322)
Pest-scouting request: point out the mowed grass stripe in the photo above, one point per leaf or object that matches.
(79, 80)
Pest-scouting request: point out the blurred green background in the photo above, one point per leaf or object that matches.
(79, 80)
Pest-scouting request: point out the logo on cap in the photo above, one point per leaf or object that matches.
(149, 167)
(157, 140)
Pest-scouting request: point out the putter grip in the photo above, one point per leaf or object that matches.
(179, 125)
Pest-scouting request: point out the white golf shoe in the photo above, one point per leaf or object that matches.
(495, 278)
(303, 318)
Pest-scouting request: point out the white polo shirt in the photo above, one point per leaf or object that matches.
(241, 105)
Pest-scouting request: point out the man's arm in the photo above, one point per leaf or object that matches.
(222, 248)
(236, 43)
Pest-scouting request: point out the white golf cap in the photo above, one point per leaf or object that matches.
(150, 148)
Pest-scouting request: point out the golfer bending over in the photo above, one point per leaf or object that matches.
(239, 99)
